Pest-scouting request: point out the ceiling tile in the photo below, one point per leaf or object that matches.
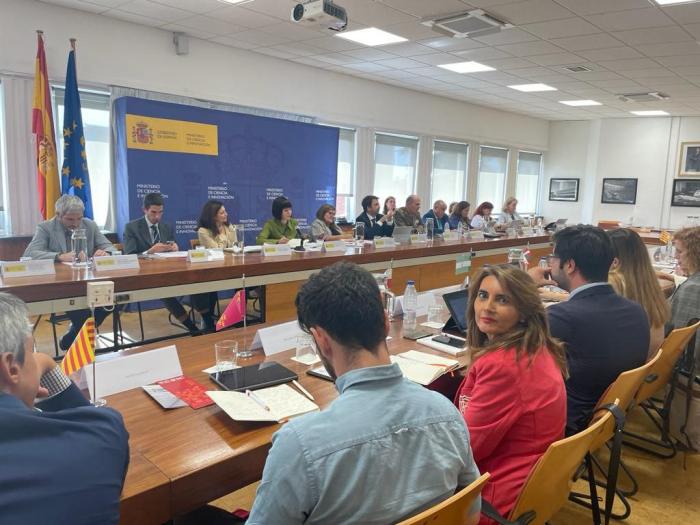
(653, 35)
(686, 71)
(194, 6)
(445, 43)
(557, 59)
(369, 54)
(562, 28)
(291, 32)
(684, 14)
(232, 42)
(693, 29)
(243, 17)
(423, 9)
(618, 86)
(481, 54)
(111, 4)
(281, 9)
(400, 63)
(614, 53)
(654, 73)
(666, 50)
(636, 19)
(338, 59)
(82, 6)
(679, 60)
(629, 63)
(253, 36)
(510, 63)
(409, 49)
(530, 49)
(276, 52)
(591, 7)
(372, 13)
(583, 43)
(300, 49)
(210, 25)
(367, 67)
(333, 43)
(153, 10)
(530, 11)
(412, 30)
(507, 36)
(391, 73)
(196, 33)
(437, 59)
(134, 18)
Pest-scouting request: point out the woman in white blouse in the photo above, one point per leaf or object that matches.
(213, 229)
(508, 212)
(324, 226)
(482, 215)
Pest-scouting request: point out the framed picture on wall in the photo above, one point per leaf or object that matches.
(619, 191)
(686, 192)
(689, 165)
(563, 190)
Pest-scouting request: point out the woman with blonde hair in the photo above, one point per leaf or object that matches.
(508, 213)
(632, 276)
(323, 227)
(513, 398)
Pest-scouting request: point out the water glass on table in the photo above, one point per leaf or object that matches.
(435, 313)
(305, 349)
(226, 353)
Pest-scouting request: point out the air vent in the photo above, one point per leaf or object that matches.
(577, 69)
(471, 24)
(654, 96)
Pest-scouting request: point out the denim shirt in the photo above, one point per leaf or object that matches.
(384, 450)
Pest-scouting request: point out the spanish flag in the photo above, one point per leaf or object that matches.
(234, 311)
(42, 127)
(82, 351)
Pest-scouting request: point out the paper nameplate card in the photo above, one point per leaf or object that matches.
(27, 268)
(197, 256)
(476, 234)
(451, 235)
(116, 262)
(134, 371)
(334, 246)
(278, 338)
(384, 242)
(276, 250)
(527, 230)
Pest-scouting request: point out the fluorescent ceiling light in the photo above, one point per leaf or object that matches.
(673, 2)
(235, 1)
(577, 103)
(372, 37)
(467, 67)
(650, 113)
(531, 88)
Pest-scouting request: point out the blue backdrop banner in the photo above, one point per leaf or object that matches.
(191, 154)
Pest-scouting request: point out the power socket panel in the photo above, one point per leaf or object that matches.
(100, 293)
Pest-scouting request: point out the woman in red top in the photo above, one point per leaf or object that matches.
(513, 397)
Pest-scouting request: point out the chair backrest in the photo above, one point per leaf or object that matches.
(548, 485)
(194, 243)
(452, 511)
(671, 350)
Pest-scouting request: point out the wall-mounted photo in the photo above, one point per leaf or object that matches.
(619, 191)
(563, 190)
(689, 165)
(686, 192)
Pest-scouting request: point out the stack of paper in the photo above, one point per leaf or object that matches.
(423, 368)
(282, 401)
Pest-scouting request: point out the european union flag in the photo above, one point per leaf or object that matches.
(74, 174)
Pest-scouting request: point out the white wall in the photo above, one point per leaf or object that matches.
(644, 148)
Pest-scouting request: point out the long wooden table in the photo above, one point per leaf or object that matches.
(184, 458)
(430, 265)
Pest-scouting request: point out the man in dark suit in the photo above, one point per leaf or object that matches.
(376, 224)
(605, 334)
(66, 462)
(149, 235)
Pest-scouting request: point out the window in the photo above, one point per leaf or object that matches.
(345, 196)
(449, 176)
(96, 126)
(493, 165)
(528, 181)
(395, 159)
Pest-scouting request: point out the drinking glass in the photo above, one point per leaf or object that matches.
(78, 243)
(435, 313)
(359, 232)
(429, 227)
(226, 353)
(306, 349)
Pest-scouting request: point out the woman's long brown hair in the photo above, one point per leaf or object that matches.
(529, 335)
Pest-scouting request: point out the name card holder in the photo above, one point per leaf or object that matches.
(197, 256)
(276, 250)
(419, 238)
(384, 242)
(450, 236)
(116, 262)
(27, 268)
(334, 246)
(527, 231)
(476, 235)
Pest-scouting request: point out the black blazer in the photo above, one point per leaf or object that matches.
(137, 238)
(605, 335)
(378, 230)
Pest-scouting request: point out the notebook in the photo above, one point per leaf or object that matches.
(423, 368)
(284, 402)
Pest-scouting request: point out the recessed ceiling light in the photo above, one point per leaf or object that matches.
(530, 88)
(580, 102)
(467, 67)
(650, 113)
(674, 2)
(235, 1)
(372, 36)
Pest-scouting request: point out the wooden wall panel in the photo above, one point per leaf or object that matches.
(279, 301)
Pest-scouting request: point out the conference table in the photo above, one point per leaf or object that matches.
(431, 265)
(183, 458)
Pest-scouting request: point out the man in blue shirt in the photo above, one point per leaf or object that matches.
(63, 461)
(439, 216)
(386, 448)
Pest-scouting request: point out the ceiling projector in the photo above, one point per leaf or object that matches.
(322, 13)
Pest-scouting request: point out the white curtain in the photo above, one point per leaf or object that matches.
(21, 189)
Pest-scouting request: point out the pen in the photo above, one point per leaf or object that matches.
(255, 398)
(303, 390)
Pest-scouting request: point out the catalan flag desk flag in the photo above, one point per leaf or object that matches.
(82, 351)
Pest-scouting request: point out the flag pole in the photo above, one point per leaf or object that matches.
(98, 402)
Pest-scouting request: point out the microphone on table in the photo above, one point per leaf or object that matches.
(301, 236)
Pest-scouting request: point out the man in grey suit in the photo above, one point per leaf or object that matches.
(52, 240)
(148, 235)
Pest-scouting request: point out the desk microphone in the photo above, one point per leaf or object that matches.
(300, 235)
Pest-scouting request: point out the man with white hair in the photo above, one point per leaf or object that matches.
(52, 240)
(63, 460)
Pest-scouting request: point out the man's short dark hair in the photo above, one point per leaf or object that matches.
(344, 300)
(589, 247)
(367, 201)
(278, 205)
(152, 199)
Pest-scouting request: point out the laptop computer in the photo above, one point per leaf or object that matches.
(402, 234)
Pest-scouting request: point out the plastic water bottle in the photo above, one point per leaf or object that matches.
(460, 229)
(410, 305)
